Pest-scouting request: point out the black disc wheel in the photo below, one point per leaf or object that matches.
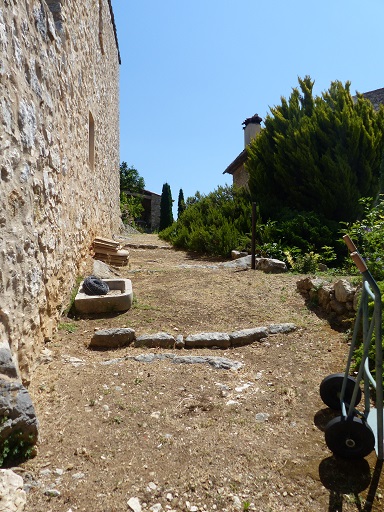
(330, 390)
(350, 438)
(92, 285)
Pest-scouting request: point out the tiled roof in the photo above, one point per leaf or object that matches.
(238, 162)
(376, 97)
(114, 29)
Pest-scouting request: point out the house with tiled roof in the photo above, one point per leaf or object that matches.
(251, 127)
(376, 97)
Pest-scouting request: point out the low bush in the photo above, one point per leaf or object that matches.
(358, 355)
(213, 224)
(368, 235)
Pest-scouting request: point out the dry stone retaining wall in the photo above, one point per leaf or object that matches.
(59, 157)
(338, 300)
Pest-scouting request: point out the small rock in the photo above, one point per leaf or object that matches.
(45, 472)
(243, 387)
(78, 476)
(134, 505)
(235, 255)
(74, 361)
(156, 508)
(46, 356)
(169, 496)
(237, 503)
(52, 493)
(179, 342)
(262, 416)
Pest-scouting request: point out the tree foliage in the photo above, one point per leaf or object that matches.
(131, 182)
(131, 208)
(319, 154)
(166, 215)
(180, 203)
(213, 224)
(130, 179)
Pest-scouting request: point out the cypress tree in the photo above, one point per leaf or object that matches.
(180, 203)
(318, 154)
(166, 216)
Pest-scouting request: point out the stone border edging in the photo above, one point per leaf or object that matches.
(121, 337)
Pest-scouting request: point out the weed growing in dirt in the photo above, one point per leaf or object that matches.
(16, 447)
(143, 307)
(69, 310)
(69, 327)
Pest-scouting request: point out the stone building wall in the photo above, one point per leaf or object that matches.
(155, 211)
(59, 158)
(241, 177)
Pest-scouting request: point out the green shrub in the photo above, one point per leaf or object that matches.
(131, 208)
(16, 447)
(221, 221)
(368, 235)
(213, 224)
(307, 231)
(372, 349)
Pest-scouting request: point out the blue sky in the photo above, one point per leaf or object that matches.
(192, 71)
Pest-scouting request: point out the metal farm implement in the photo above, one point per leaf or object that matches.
(355, 434)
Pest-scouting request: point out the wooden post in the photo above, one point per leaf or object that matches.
(253, 246)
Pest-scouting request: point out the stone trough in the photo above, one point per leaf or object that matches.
(119, 298)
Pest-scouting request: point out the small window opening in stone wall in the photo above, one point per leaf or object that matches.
(101, 26)
(91, 142)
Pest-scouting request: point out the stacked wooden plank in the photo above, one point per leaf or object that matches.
(110, 252)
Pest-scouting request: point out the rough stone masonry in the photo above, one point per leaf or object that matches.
(59, 159)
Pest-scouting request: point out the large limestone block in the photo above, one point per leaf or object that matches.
(160, 339)
(270, 265)
(12, 495)
(18, 425)
(208, 340)
(344, 291)
(248, 336)
(7, 365)
(112, 338)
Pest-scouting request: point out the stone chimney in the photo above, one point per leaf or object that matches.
(251, 128)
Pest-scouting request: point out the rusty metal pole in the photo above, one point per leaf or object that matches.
(253, 246)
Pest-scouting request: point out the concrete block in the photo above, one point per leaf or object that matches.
(119, 298)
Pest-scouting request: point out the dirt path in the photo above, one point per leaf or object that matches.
(191, 437)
